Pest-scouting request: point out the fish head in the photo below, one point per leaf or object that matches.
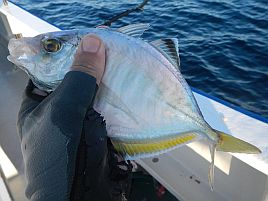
(46, 58)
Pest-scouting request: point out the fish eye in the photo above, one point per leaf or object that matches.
(52, 45)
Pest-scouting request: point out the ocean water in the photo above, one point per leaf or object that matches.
(223, 44)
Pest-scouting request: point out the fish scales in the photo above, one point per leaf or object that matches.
(148, 106)
(155, 76)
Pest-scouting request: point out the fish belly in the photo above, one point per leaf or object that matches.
(143, 101)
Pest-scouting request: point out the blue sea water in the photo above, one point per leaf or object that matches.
(223, 44)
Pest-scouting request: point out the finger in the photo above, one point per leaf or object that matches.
(90, 57)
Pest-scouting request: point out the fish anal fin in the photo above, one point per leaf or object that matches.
(228, 143)
(143, 149)
(169, 48)
(134, 30)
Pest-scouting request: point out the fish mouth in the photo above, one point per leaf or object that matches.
(17, 63)
(23, 47)
(12, 59)
(21, 51)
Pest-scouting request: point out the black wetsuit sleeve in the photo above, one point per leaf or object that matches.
(50, 129)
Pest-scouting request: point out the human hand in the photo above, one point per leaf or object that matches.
(90, 57)
(50, 126)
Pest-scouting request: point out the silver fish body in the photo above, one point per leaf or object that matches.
(147, 104)
(133, 67)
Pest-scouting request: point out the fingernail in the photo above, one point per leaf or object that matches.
(91, 44)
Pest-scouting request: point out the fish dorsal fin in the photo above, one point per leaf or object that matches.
(134, 30)
(169, 48)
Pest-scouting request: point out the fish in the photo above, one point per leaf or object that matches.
(147, 104)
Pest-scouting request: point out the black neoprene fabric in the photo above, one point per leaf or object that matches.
(64, 142)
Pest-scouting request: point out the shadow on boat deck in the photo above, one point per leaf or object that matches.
(146, 188)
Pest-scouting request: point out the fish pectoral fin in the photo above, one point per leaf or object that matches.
(169, 48)
(141, 149)
(134, 30)
(228, 143)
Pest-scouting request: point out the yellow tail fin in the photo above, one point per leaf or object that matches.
(228, 143)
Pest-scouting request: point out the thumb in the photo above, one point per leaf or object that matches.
(90, 57)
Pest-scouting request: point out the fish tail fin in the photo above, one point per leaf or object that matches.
(212, 148)
(228, 143)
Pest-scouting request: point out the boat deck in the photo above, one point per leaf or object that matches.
(12, 83)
